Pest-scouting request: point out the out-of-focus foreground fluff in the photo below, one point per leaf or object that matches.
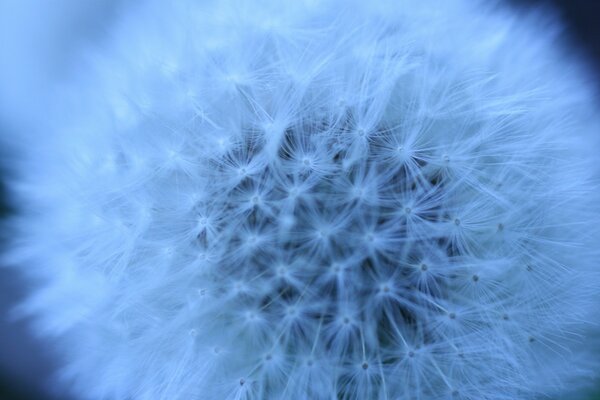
(314, 200)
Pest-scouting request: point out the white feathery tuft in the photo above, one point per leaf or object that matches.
(316, 200)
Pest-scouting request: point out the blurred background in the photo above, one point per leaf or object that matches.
(26, 364)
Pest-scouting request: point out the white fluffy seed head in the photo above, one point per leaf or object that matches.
(250, 201)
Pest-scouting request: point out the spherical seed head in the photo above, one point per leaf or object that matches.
(346, 189)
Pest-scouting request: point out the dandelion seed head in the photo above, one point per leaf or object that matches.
(332, 204)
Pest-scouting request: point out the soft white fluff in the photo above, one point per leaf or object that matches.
(315, 200)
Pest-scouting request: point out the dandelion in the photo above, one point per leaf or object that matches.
(316, 200)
